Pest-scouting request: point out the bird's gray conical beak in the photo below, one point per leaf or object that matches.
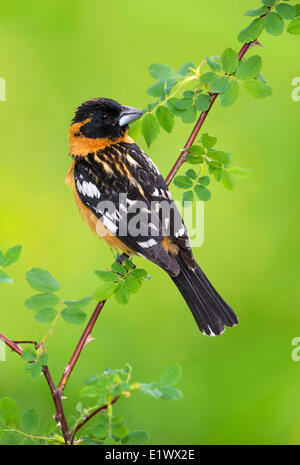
(128, 114)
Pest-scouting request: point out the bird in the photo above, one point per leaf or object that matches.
(108, 165)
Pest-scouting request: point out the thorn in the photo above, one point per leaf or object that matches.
(256, 42)
(89, 339)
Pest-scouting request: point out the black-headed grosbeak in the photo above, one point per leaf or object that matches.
(108, 165)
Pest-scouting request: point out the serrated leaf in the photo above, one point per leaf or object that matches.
(240, 172)
(208, 78)
(74, 316)
(274, 24)
(257, 88)
(41, 280)
(165, 118)
(220, 156)
(269, 3)
(189, 116)
(139, 273)
(249, 68)
(286, 11)
(119, 430)
(191, 174)
(44, 359)
(136, 438)
(171, 375)
(80, 303)
(294, 27)
(213, 63)
(161, 71)
(157, 89)
(5, 278)
(219, 85)
(183, 182)
(171, 393)
(230, 61)
(202, 102)
(33, 369)
(185, 69)
(12, 255)
(196, 150)
(229, 97)
(107, 276)
(150, 128)
(253, 31)
(45, 315)
(9, 412)
(132, 284)
(43, 300)
(105, 291)
(135, 129)
(258, 12)
(30, 421)
(29, 354)
(208, 141)
(122, 294)
(172, 107)
(118, 268)
(202, 193)
(183, 103)
(204, 180)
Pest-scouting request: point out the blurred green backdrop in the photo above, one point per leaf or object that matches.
(241, 387)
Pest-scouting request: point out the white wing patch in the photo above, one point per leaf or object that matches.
(147, 244)
(88, 189)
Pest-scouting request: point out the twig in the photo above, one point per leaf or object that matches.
(181, 159)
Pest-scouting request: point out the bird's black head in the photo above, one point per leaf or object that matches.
(104, 117)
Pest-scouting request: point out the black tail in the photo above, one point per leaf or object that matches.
(210, 311)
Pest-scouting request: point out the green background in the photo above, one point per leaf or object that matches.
(242, 387)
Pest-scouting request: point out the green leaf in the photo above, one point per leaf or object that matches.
(194, 159)
(42, 280)
(165, 118)
(135, 129)
(4, 278)
(74, 316)
(259, 12)
(119, 430)
(43, 300)
(208, 141)
(185, 69)
(249, 68)
(219, 85)
(191, 174)
(171, 393)
(240, 172)
(122, 294)
(139, 273)
(107, 276)
(196, 150)
(150, 128)
(187, 196)
(44, 359)
(9, 412)
(220, 156)
(297, 9)
(12, 439)
(45, 315)
(274, 24)
(132, 284)
(183, 182)
(172, 107)
(33, 369)
(231, 94)
(227, 181)
(253, 31)
(160, 71)
(171, 376)
(81, 303)
(204, 180)
(230, 61)
(213, 63)
(286, 11)
(29, 354)
(294, 26)
(104, 291)
(208, 78)
(189, 116)
(157, 89)
(268, 2)
(136, 438)
(30, 421)
(183, 103)
(257, 89)
(202, 102)
(1, 257)
(118, 268)
(202, 193)
(12, 255)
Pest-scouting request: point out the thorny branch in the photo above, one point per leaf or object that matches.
(57, 392)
